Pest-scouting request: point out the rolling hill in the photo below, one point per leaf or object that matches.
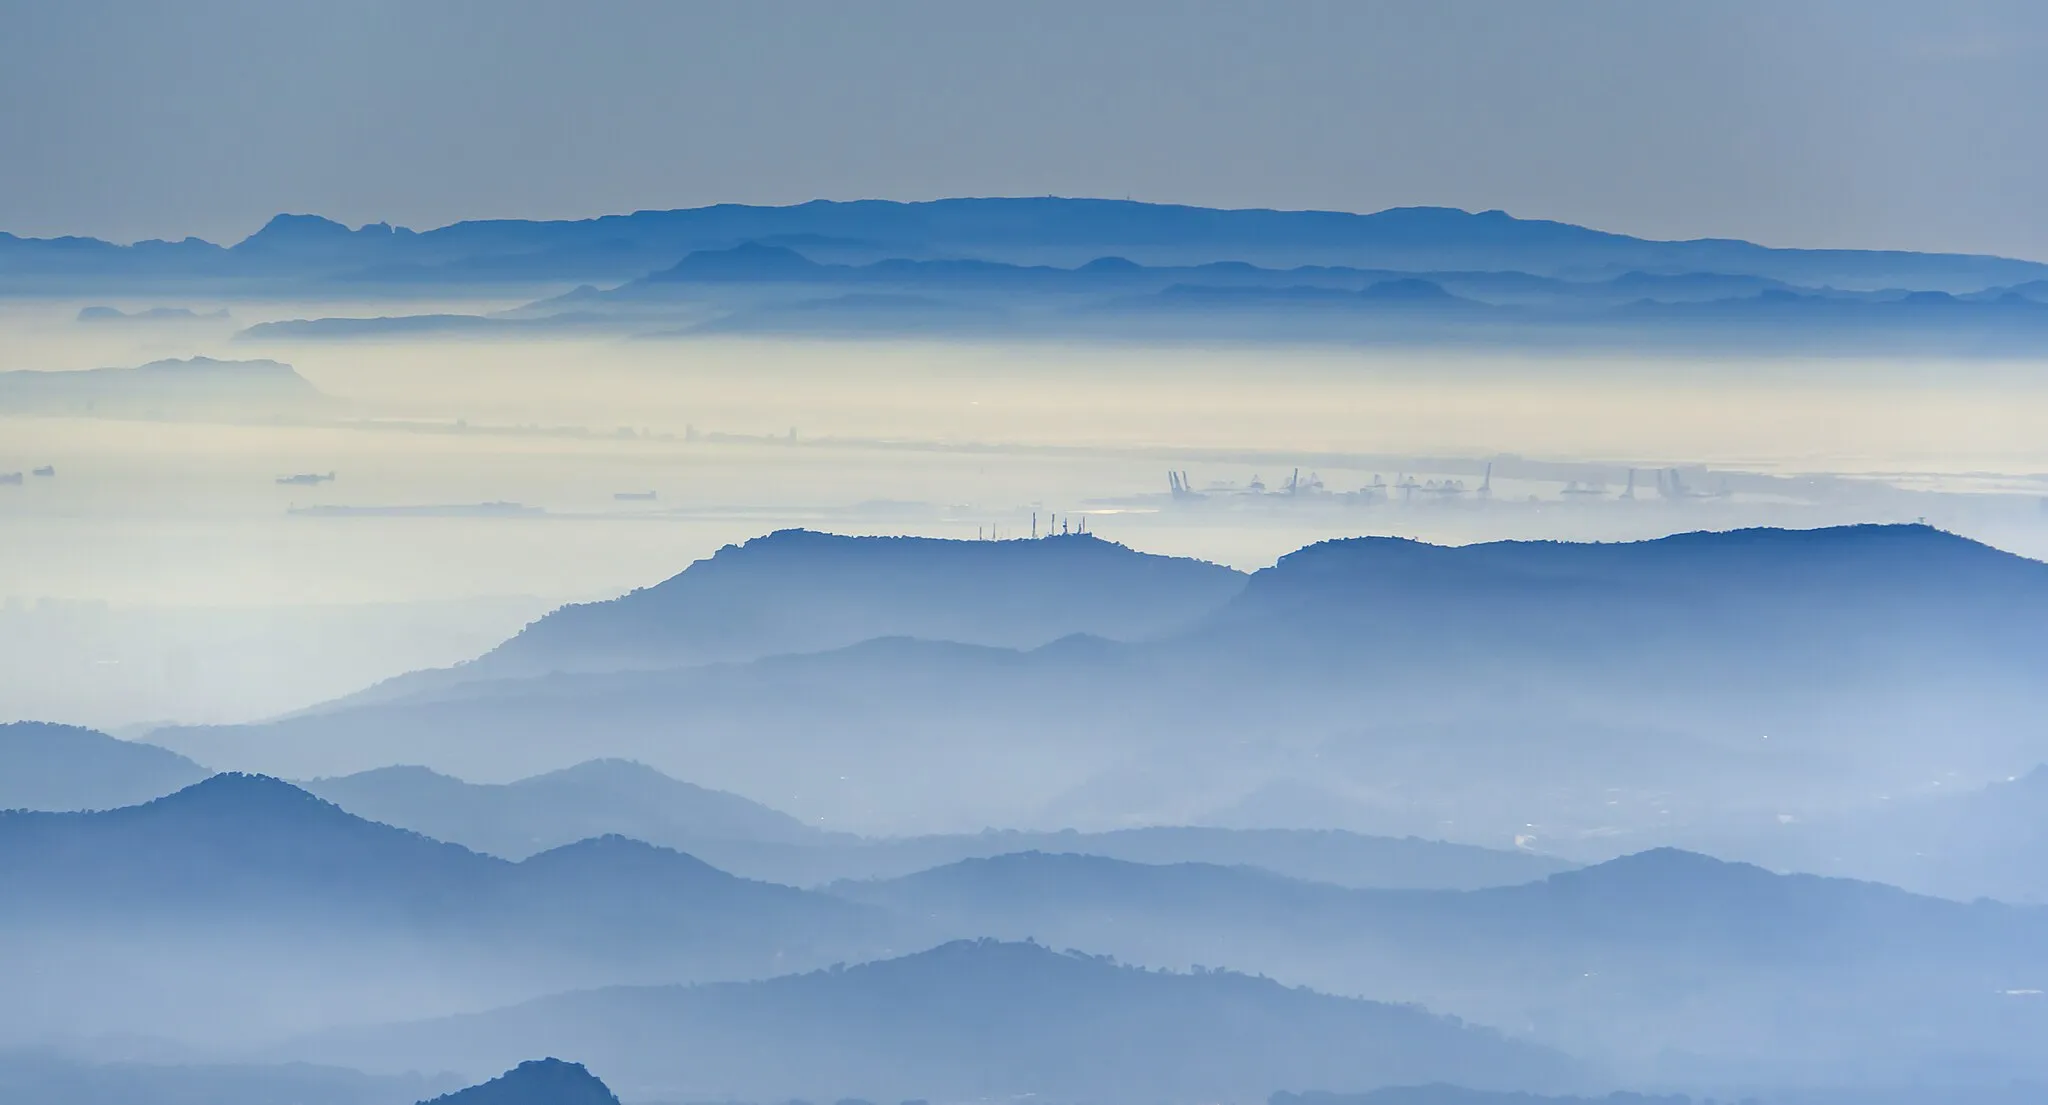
(970, 1019)
(63, 767)
(1656, 964)
(799, 591)
(1587, 699)
(244, 905)
(1988, 842)
(1320, 855)
(604, 797)
(593, 799)
(53, 1078)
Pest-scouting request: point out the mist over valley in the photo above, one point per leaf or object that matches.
(907, 554)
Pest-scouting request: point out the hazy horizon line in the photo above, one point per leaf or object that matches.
(1130, 201)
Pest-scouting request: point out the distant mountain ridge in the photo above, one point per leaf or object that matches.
(193, 386)
(748, 288)
(1026, 230)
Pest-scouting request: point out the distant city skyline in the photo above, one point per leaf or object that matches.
(1869, 125)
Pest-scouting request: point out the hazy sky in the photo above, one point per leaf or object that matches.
(1870, 123)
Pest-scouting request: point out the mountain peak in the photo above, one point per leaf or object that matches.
(289, 229)
(1661, 865)
(1111, 264)
(750, 260)
(536, 1082)
(615, 850)
(244, 791)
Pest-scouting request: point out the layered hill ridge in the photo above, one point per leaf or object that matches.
(1678, 947)
(796, 591)
(1080, 269)
(1582, 691)
(1328, 856)
(1815, 598)
(1991, 841)
(234, 838)
(1064, 1026)
(603, 798)
(1689, 902)
(44, 766)
(592, 799)
(242, 900)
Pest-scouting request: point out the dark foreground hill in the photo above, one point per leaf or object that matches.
(242, 905)
(64, 767)
(535, 1082)
(970, 1020)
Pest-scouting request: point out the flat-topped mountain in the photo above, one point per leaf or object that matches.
(1689, 591)
(797, 591)
(802, 591)
(190, 387)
